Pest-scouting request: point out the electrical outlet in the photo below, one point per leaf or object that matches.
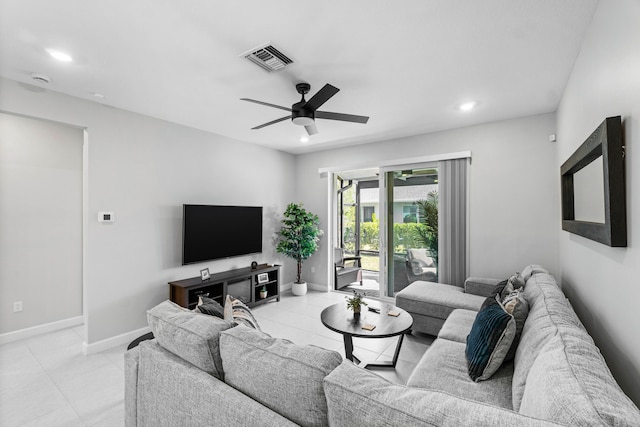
(313, 269)
(17, 306)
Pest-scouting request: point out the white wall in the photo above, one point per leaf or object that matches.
(514, 207)
(601, 282)
(40, 222)
(144, 169)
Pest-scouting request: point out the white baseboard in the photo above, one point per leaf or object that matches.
(112, 342)
(40, 329)
(317, 287)
(314, 286)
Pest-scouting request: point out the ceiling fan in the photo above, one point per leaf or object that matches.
(305, 112)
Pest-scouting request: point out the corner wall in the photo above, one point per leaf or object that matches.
(514, 188)
(601, 282)
(144, 169)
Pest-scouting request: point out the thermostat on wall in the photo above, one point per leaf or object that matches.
(106, 217)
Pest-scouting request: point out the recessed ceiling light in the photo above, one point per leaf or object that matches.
(97, 94)
(467, 106)
(304, 139)
(60, 56)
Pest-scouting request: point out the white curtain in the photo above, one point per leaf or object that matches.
(452, 221)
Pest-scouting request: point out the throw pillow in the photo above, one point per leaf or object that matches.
(237, 312)
(502, 289)
(516, 305)
(210, 306)
(516, 280)
(489, 341)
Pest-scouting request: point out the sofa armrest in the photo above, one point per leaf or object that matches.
(481, 286)
(131, 362)
(355, 260)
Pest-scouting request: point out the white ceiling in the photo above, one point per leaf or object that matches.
(406, 64)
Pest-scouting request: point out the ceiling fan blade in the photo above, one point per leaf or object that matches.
(322, 96)
(311, 129)
(343, 117)
(266, 103)
(272, 122)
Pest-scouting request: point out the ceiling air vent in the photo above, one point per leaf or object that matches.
(268, 58)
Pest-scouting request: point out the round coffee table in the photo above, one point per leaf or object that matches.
(339, 319)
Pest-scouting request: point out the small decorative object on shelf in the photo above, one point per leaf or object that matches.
(254, 265)
(355, 303)
(263, 278)
(204, 274)
(263, 292)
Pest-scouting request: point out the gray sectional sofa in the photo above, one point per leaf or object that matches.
(201, 370)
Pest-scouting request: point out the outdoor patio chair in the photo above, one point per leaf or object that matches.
(348, 269)
(421, 266)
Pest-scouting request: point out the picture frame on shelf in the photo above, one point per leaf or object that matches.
(263, 277)
(204, 274)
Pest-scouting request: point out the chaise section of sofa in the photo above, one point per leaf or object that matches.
(430, 304)
(558, 374)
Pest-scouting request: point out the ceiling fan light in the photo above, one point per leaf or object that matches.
(303, 121)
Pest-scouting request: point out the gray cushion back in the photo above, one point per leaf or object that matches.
(279, 374)
(191, 335)
(581, 390)
(544, 296)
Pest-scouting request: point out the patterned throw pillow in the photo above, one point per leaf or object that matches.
(516, 305)
(489, 341)
(502, 289)
(210, 306)
(236, 311)
(516, 280)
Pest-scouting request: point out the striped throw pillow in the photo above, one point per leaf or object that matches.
(237, 312)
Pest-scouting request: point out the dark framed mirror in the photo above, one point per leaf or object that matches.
(593, 187)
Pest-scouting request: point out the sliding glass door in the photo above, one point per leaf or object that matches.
(389, 222)
(411, 226)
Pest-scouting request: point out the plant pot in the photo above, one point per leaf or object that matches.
(299, 289)
(356, 313)
(263, 294)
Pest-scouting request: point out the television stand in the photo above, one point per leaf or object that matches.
(241, 283)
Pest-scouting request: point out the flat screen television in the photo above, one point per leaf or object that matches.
(214, 232)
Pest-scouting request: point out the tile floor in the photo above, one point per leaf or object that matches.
(47, 381)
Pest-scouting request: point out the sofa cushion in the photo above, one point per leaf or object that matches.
(279, 374)
(489, 341)
(443, 367)
(532, 269)
(570, 383)
(548, 308)
(458, 325)
(192, 336)
(172, 392)
(436, 299)
(357, 397)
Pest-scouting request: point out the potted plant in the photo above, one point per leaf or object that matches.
(263, 292)
(355, 303)
(299, 238)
